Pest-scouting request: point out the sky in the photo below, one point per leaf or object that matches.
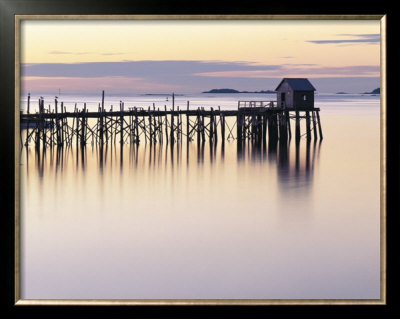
(192, 56)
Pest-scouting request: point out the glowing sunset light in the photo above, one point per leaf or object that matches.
(184, 54)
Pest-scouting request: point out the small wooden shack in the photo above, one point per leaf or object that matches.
(295, 93)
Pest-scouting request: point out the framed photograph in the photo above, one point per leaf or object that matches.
(200, 159)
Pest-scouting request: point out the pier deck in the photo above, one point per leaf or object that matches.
(252, 120)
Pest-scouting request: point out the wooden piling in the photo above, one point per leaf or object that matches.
(259, 128)
(211, 137)
(27, 124)
(319, 126)
(187, 123)
(297, 126)
(180, 125)
(203, 136)
(222, 119)
(239, 124)
(101, 118)
(273, 127)
(121, 119)
(29, 103)
(42, 124)
(314, 125)
(160, 131)
(172, 122)
(216, 127)
(198, 126)
(62, 123)
(308, 126)
(78, 136)
(58, 137)
(282, 127)
(83, 142)
(287, 115)
(264, 126)
(136, 127)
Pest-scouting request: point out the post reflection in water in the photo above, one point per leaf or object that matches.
(300, 167)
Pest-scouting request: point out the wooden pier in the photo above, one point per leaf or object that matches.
(254, 121)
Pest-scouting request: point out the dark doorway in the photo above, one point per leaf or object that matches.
(283, 96)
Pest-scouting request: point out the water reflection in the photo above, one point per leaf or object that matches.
(294, 161)
(301, 172)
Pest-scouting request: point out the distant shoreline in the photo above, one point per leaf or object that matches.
(376, 91)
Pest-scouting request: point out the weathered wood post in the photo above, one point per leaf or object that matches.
(27, 123)
(83, 142)
(259, 128)
(180, 125)
(272, 127)
(319, 126)
(253, 131)
(203, 136)
(172, 119)
(198, 126)
(29, 103)
(308, 127)
(187, 122)
(282, 127)
(166, 123)
(264, 126)
(215, 126)
(86, 123)
(211, 137)
(239, 126)
(101, 118)
(150, 125)
(121, 119)
(297, 126)
(314, 125)
(136, 127)
(62, 123)
(58, 136)
(160, 130)
(287, 115)
(42, 123)
(77, 127)
(155, 126)
(222, 120)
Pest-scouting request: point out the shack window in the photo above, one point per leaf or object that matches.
(304, 97)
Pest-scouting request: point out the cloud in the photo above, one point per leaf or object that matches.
(177, 75)
(68, 53)
(116, 84)
(163, 70)
(83, 53)
(300, 70)
(359, 38)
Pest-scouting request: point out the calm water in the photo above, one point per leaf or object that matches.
(208, 222)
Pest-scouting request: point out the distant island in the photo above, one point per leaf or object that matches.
(376, 91)
(236, 91)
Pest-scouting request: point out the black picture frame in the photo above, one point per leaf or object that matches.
(9, 8)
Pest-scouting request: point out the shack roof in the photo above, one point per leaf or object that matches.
(297, 84)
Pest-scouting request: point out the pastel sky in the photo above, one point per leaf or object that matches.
(190, 56)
